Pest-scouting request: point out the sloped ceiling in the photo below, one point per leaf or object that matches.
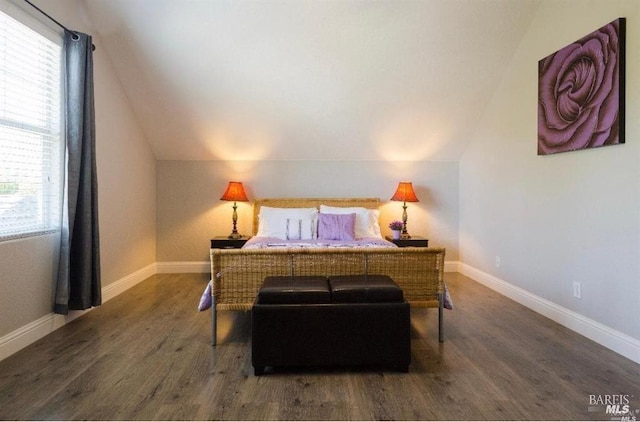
(310, 79)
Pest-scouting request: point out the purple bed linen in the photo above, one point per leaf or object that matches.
(273, 242)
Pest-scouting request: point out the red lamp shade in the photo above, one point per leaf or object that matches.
(234, 192)
(405, 193)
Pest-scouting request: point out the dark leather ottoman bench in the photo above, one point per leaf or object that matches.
(345, 320)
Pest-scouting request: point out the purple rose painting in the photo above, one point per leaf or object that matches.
(581, 93)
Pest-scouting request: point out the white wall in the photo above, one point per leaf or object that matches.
(560, 218)
(126, 184)
(190, 211)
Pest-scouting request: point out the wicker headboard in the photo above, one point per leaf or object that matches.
(370, 203)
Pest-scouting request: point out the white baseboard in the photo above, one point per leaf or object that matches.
(452, 266)
(617, 341)
(27, 334)
(127, 282)
(184, 267)
(24, 336)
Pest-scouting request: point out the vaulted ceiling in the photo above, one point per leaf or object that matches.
(310, 79)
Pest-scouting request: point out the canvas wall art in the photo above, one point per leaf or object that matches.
(581, 92)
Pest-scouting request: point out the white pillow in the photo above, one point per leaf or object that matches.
(272, 222)
(374, 224)
(300, 229)
(366, 220)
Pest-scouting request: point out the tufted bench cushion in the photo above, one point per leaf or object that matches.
(364, 289)
(299, 290)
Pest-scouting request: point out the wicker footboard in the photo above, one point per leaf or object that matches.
(238, 273)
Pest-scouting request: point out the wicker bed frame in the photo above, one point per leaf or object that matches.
(238, 273)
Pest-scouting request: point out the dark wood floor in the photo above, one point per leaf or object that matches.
(145, 355)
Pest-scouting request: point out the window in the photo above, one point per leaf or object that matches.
(30, 131)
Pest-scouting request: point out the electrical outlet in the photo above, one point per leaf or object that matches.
(577, 290)
(497, 261)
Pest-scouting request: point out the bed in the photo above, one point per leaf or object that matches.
(237, 274)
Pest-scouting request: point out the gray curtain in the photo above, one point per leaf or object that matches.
(78, 285)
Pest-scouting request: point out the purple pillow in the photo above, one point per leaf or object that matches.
(336, 226)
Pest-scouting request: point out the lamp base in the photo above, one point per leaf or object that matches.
(235, 236)
(405, 236)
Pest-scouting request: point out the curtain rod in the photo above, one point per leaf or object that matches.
(93, 47)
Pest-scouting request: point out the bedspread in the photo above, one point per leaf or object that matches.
(273, 242)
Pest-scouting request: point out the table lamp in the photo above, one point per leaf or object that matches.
(404, 193)
(235, 192)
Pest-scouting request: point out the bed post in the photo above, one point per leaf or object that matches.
(214, 320)
(440, 317)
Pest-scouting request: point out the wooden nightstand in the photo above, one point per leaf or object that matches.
(415, 241)
(223, 242)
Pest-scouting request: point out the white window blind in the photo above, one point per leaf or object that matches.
(30, 116)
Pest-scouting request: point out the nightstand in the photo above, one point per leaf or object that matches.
(223, 242)
(415, 241)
